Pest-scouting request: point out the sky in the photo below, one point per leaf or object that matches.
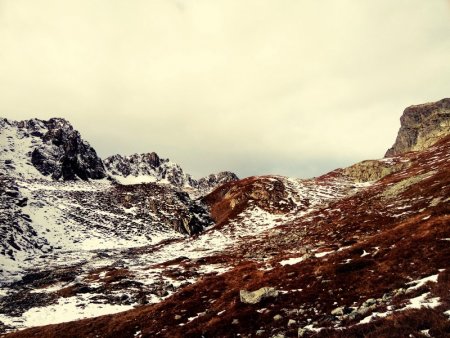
(289, 87)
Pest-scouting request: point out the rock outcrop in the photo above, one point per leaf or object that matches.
(214, 180)
(374, 170)
(149, 167)
(56, 149)
(422, 126)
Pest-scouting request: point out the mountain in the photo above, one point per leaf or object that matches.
(58, 195)
(358, 252)
(144, 168)
(53, 147)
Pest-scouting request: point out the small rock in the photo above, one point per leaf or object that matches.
(177, 317)
(362, 310)
(277, 317)
(302, 332)
(339, 311)
(235, 322)
(291, 322)
(370, 301)
(260, 332)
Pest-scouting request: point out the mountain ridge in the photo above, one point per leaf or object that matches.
(359, 251)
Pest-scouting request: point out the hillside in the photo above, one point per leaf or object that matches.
(358, 252)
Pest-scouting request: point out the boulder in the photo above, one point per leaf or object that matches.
(254, 297)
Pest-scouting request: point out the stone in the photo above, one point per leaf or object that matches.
(177, 317)
(277, 317)
(235, 321)
(260, 332)
(301, 332)
(370, 301)
(339, 311)
(291, 322)
(254, 297)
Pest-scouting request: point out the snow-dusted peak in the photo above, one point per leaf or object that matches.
(54, 148)
(149, 167)
(144, 168)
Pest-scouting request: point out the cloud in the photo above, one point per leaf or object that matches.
(258, 86)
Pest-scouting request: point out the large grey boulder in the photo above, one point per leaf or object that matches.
(254, 297)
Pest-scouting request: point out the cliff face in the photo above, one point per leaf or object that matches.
(54, 147)
(422, 126)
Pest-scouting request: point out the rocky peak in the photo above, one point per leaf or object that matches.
(149, 167)
(422, 126)
(56, 148)
(214, 180)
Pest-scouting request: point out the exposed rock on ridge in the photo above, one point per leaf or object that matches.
(58, 150)
(149, 167)
(374, 170)
(422, 126)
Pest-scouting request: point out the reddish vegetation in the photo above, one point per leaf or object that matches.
(229, 200)
(386, 241)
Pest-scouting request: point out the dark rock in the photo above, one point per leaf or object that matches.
(422, 126)
(63, 154)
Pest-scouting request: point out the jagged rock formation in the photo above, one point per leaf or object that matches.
(212, 181)
(53, 196)
(57, 150)
(149, 167)
(146, 168)
(422, 126)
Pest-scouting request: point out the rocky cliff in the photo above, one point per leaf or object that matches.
(149, 167)
(53, 147)
(422, 126)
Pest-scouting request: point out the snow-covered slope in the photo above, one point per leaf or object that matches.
(55, 197)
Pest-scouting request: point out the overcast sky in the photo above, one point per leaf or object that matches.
(292, 87)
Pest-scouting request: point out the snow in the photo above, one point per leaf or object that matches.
(365, 253)
(292, 261)
(423, 301)
(49, 289)
(129, 180)
(421, 282)
(414, 303)
(323, 254)
(217, 268)
(374, 315)
(67, 309)
(311, 328)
